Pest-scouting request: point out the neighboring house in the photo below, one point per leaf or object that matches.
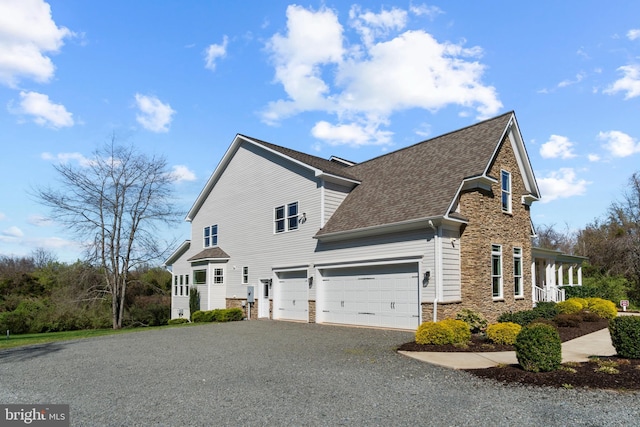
(410, 236)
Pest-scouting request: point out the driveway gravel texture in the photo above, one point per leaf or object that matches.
(275, 373)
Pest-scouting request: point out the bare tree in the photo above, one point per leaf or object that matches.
(114, 203)
(548, 237)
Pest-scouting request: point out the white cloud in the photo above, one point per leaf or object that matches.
(365, 84)
(350, 134)
(619, 144)
(630, 83)
(633, 34)
(154, 115)
(557, 147)
(593, 157)
(39, 221)
(579, 77)
(182, 173)
(12, 232)
(424, 10)
(215, 51)
(43, 111)
(27, 35)
(561, 184)
(371, 25)
(66, 157)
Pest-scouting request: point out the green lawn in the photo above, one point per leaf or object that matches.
(47, 337)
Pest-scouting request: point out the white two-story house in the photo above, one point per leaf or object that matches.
(416, 234)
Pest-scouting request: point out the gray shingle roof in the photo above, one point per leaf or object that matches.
(209, 253)
(324, 165)
(419, 181)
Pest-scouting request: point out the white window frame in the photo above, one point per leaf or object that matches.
(210, 236)
(287, 218)
(175, 285)
(245, 275)
(518, 288)
(218, 276)
(505, 193)
(496, 276)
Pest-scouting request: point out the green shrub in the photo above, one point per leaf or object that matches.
(197, 316)
(539, 348)
(503, 333)
(612, 288)
(602, 307)
(476, 321)
(461, 331)
(570, 306)
(544, 310)
(194, 300)
(234, 314)
(177, 321)
(625, 336)
(434, 333)
(218, 315)
(568, 320)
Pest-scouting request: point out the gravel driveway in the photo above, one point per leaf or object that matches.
(280, 374)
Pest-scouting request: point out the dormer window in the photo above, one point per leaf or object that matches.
(211, 236)
(506, 191)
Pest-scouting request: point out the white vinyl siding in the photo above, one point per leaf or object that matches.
(242, 204)
(334, 195)
(451, 289)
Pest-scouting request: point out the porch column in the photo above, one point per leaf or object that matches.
(580, 275)
(560, 274)
(571, 274)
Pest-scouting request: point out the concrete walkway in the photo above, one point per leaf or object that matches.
(577, 350)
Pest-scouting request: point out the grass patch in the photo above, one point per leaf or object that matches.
(47, 337)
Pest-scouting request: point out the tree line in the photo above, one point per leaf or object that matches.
(40, 294)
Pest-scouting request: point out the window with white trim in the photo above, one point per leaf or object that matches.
(245, 275)
(496, 271)
(211, 236)
(506, 191)
(175, 285)
(218, 276)
(517, 272)
(199, 277)
(186, 284)
(181, 285)
(286, 218)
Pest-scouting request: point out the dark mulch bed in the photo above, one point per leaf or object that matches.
(594, 374)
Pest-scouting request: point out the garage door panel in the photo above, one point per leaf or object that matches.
(385, 296)
(292, 297)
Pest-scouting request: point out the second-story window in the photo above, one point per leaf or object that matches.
(211, 236)
(506, 191)
(286, 218)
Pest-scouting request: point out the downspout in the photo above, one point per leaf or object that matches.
(438, 267)
(436, 243)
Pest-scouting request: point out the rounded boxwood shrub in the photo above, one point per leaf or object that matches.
(461, 331)
(476, 321)
(503, 333)
(602, 307)
(198, 316)
(625, 336)
(570, 306)
(539, 348)
(434, 333)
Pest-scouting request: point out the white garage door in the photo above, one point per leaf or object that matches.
(383, 296)
(291, 296)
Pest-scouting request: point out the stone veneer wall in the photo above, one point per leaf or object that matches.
(489, 225)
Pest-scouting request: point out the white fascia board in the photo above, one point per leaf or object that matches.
(177, 253)
(337, 179)
(413, 224)
(512, 130)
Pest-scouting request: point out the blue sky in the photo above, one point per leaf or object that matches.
(341, 78)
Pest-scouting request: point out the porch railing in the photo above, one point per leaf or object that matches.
(551, 293)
